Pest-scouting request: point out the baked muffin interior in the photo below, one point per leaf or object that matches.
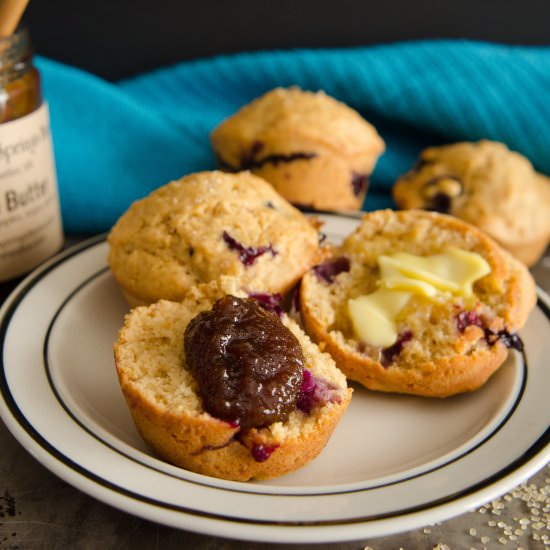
(432, 327)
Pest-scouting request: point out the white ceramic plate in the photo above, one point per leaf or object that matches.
(394, 463)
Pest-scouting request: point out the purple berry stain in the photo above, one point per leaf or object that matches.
(441, 203)
(467, 318)
(511, 341)
(314, 391)
(270, 302)
(391, 352)
(247, 254)
(329, 270)
(261, 452)
(295, 299)
(359, 183)
(251, 162)
(248, 157)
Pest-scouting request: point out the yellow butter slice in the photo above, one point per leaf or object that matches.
(415, 286)
(402, 275)
(454, 270)
(373, 315)
(391, 277)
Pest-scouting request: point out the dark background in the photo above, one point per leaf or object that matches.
(116, 39)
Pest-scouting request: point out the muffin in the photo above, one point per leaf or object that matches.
(207, 225)
(417, 302)
(220, 386)
(316, 151)
(487, 185)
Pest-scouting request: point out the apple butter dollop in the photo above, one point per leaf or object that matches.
(248, 365)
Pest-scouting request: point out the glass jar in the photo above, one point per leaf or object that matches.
(30, 219)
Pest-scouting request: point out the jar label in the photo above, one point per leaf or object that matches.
(30, 218)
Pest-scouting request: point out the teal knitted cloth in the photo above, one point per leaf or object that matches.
(115, 142)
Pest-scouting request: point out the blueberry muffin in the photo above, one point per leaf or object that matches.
(417, 302)
(487, 185)
(207, 225)
(316, 151)
(221, 386)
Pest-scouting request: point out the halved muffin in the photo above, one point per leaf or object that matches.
(417, 302)
(220, 386)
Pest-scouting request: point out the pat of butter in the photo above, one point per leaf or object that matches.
(411, 285)
(392, 278)
(403, 274)
(373, 316)
(453, 271)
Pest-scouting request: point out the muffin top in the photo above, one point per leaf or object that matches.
(483, 183)
(207, 225)
(286, 120)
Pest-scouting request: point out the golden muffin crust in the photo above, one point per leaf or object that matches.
(487, 185)
(162, 397)
(446, 345)
(316, 151)
(207, 225)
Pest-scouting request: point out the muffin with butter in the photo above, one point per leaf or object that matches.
(417, 302)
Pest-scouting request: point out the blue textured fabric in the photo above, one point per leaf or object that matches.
(115, 142)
